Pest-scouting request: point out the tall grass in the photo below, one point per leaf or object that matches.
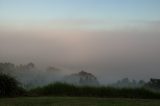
(63, 89)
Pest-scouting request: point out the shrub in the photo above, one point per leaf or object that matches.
(63, 89)
(9, 86)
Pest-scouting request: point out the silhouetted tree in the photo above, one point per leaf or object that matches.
(9, 86)
(153, 84)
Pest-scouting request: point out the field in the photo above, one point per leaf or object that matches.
(76, 101)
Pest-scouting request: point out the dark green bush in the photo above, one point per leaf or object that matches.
(63, 89)
(9, 86)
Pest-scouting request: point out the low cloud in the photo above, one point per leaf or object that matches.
(131, 52)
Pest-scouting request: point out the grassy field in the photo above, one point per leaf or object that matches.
(75, 101)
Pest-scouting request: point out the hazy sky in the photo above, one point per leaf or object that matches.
(111, 38)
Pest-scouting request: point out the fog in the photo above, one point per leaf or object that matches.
(132, 52)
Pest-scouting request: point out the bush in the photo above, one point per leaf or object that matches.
(63, 89)
(9, 86)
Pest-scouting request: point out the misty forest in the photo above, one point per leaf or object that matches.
(29, 80)
(79, 53)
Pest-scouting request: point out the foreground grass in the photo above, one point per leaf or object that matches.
(75, 101)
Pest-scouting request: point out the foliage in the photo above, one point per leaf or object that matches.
(126, 82)
(9, 86)
(63, 89)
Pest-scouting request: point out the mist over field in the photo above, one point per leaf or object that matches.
(110, 55)
(111, 41)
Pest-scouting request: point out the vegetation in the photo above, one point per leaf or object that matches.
(124, 88)
(63, 89)
(153, 85)
(126, 82)
(9, 86)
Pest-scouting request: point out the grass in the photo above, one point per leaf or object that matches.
(62, 89)
(76, 101)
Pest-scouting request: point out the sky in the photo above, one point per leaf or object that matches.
(99, 12)
(110, 38)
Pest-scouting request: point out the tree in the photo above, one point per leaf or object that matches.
(9, 86)
(30, 65)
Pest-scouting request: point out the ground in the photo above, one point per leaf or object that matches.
(75, 101)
